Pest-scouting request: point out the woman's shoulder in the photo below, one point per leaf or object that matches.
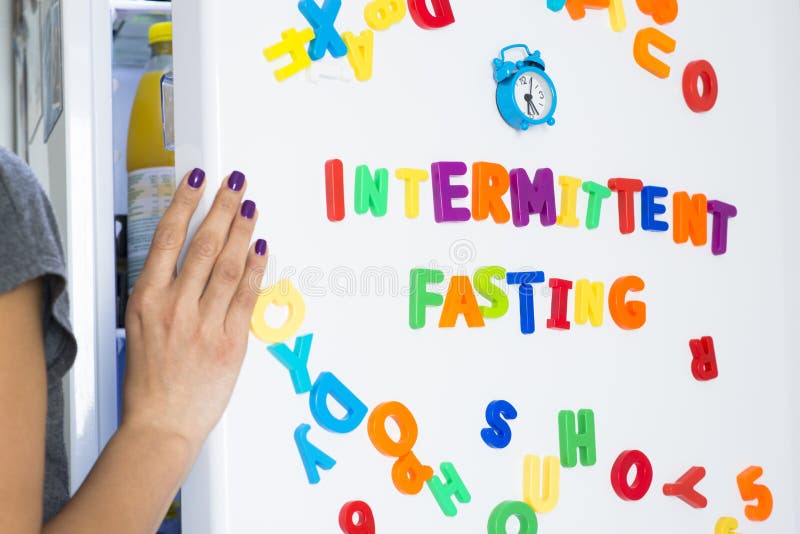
(26, 217)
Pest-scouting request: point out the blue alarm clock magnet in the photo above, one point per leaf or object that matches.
(526, 95)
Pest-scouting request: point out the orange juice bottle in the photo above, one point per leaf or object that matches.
(151, 168)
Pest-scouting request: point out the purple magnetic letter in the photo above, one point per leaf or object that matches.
(444, 192)
(719, 234)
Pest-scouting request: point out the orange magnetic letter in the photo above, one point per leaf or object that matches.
(376, 428)
(750, 491)
(409, 475)
(663, 11)
(629, 315)
(490, 182)
(641, 51)
(460, 299)
(690, 218)
(616, 11)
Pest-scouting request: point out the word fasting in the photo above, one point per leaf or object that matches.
(512, 195)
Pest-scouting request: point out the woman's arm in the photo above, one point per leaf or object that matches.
(187, 335)
(23, 408)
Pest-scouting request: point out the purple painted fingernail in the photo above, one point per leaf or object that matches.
(236, 181)
(261, 247)
(248, 209)
(196, 178)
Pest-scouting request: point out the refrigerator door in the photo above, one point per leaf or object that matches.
(430, 105)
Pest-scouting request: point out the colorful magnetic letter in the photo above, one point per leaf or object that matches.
(326, 38)
(504, 511)
(726, 525)
(569, 201)
(556, 5)
(625, 188)
(442, 14)
(282, 293)
(498, 435)
(533, 197)
(541, 491)
(482, 279)
(750, 491)
(650, 208)
(642, 55)
(409, 475)
(327, 385)
(312, 456)
(689, 218)
(420, 298)
(572, 439)
(619, 475)
(295, 361)
(703, 71)
(616, 11)
(444, 492)
(559, 304)
(527, 322)
(683, 488)
(372, 194)
(490, 181)
(460, 300)
(382, 14)
(704, 359)
(376, 428)
(597, 193)
(630, 315)
(293, 44)
(356, 518)
(444, 192)
(719, 233)
(360, 51)
(334, 189)
(663, 11)
(589, 302)
(412, 178)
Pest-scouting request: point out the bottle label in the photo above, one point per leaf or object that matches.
(149, 194)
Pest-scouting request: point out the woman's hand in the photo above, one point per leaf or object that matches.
(187, 331)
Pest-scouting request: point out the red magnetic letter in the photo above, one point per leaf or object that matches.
(625, 188)
(334, 189)
(704, 359)
(619, 475)
(702, 70)
(683, 488)
(356, 518)
(558, 308)
(442, 14)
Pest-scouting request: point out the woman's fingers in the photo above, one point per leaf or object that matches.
(237, 323)
(211, 237)
(230, 264)
(170, 234)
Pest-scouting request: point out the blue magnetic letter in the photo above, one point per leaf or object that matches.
(650, 209)
(328, 385)
(556, 5)
(527, 323)
(296, 361)
(311, 455)
(499, 435)
(326, 38)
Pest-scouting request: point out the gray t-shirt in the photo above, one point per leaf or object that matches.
(30, 248)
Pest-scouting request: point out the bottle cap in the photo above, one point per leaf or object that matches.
(160, 32)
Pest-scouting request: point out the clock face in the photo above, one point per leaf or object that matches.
(533, 95)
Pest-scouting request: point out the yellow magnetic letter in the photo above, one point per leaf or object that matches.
(294, 44)
(281, 294)
(589, 300)
(726, 525)
(412, 178)
(359, 53)
(569, 201)
(541, 493)
(382, 14)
